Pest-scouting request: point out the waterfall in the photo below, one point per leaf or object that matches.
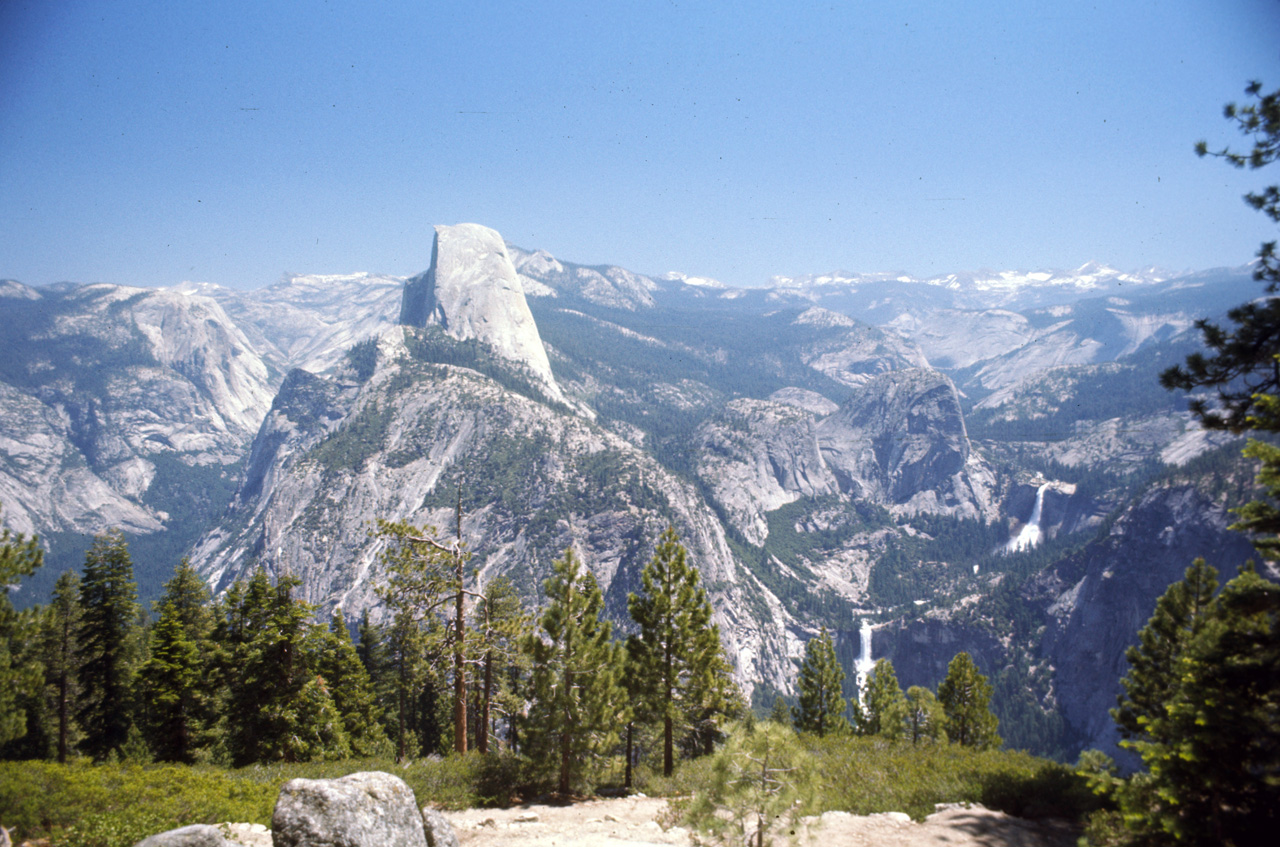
(1030, 534)
(863, 664)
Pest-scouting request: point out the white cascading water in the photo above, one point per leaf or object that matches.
(864, 665)
(1029, 536)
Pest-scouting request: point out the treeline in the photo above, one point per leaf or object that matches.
(959, 712)
(253, 677)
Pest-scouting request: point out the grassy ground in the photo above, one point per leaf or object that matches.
(116, 805)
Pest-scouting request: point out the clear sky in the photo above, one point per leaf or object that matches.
(153, 142)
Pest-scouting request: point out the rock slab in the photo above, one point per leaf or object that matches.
(359, 810)
(196, 835)
(439, 831)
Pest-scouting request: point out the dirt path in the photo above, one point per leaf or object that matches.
(632, 822)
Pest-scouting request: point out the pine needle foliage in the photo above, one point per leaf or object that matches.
(683, 676)
(578, 702)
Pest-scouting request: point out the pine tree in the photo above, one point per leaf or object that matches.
(172, 682)
(822, 704)
(175, 680)
(62, 668)
(577, 700)
(501, 625)
(19, 557)
(1242, 363)
(107, 652)
(760, 782)
(279, 707)
(923, 718)
(965, 696)
(683, 675)
(885, 704)
(345, 677)
(1212, 749)
(420, 579)
(1153, 662)
(780, 714)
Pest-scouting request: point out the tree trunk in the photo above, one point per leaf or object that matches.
(482, 735)
(626, 783)
(459, 665)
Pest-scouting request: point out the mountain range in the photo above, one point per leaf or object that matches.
(831, 449)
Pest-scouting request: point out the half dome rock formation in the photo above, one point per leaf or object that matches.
(471, 291)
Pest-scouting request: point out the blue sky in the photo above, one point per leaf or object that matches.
(149, 143)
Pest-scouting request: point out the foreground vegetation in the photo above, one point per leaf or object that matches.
(80, 804)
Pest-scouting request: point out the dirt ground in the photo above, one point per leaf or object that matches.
(633, 822)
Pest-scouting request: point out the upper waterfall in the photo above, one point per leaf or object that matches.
(1030, 535)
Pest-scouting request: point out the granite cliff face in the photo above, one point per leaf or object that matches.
(105, 385)
(900, 440)
(534, 479)
(472, 291)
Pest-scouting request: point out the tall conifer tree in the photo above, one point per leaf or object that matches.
(682, 671)
(884, 703)
(109, 609)
(19, 557)
(1153, 662)
(965, 696)
(822, 704)
(578, 703)
(59, 651)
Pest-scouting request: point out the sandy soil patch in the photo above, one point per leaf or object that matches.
(633, 822)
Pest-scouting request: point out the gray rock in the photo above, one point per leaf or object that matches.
(197, 835)
(472, 290)
(359, 810)
(439, 831)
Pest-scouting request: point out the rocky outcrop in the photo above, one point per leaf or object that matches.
(196, 835)
(359, 810)
(438, 830)
(1098, 599)
(900, 440)
(756, 456)
(534, 479)
(471, 291)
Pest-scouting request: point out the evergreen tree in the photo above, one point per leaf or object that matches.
(965, 696)
(420, 579)
(19, 557)
(1212, 749)
(172, 682)
(760, 782)
(1153, 662)
(1242, 363)
(822, 704)
(885, 704)
(345, 677)
(683, 675)
(279, 708)
(577, 700)
(501, 626)
(59, 651)
(780, 714)
(923, 718)
(175, 680)
(107, 650)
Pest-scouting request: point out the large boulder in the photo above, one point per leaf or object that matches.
(197, 835)
(439, 831)
(359, 810)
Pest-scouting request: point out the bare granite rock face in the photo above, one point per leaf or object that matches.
(368, 809)
(196, 835)
(900, 440)
(472, 290)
